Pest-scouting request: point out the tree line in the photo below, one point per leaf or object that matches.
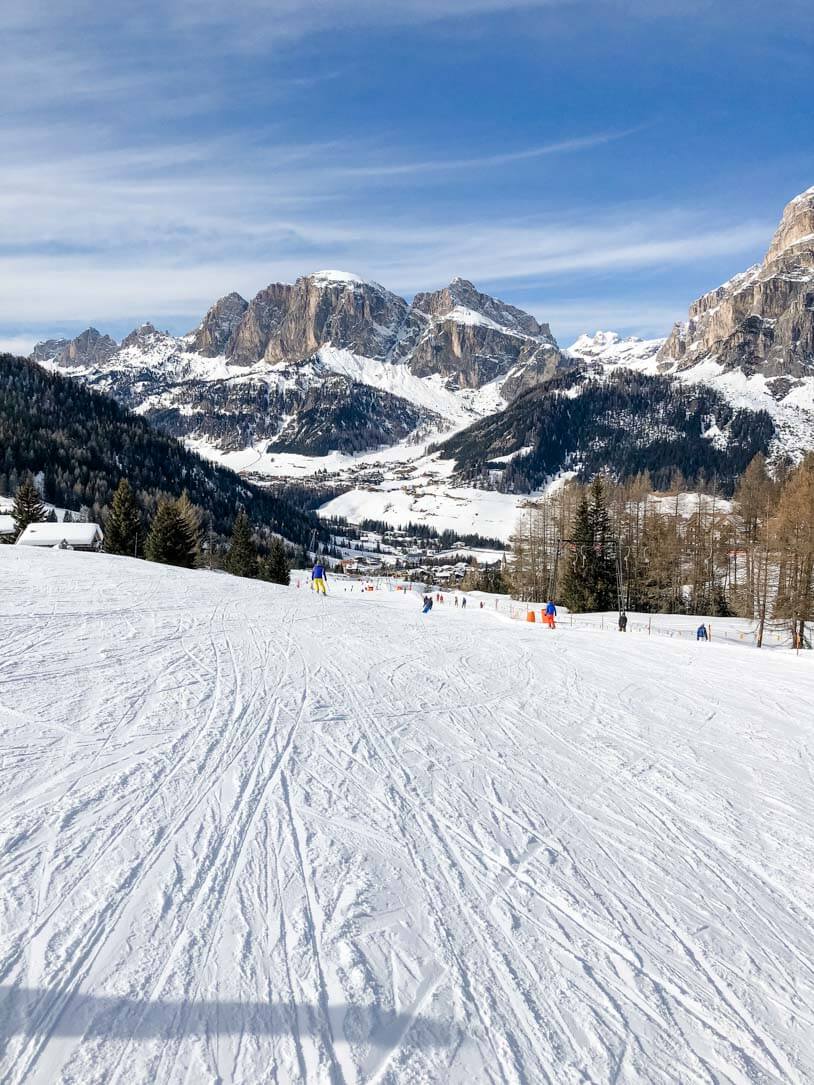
(609, 545)
(175, 535)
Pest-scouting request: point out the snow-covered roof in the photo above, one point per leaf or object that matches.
(54, 534)
(6, 524)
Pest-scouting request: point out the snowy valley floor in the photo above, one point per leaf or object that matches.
(248, 835)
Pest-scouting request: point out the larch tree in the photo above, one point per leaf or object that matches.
(793, 531)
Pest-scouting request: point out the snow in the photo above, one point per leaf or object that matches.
(336, 278)
(456, 508)
(251, 835)
(7, 525)
(460, 314)
(793, 414)
(608, 350)
(458, 408)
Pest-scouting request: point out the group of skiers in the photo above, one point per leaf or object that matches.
(319, 582)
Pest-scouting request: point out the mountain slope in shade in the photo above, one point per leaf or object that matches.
(84, 442)
(623, 423)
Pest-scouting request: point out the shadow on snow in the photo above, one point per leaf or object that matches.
(31, 1011)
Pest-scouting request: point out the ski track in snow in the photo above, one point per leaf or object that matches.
(250, 835)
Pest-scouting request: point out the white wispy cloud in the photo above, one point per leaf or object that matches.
(440, 165)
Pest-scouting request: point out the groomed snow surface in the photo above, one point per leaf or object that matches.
(250, 835)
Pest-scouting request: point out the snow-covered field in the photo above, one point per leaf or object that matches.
(249, 835)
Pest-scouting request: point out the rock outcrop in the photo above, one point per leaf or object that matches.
(472, 339)
(215, 332)
(761, 321)
(90, 348)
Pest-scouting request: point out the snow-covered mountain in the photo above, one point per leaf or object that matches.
(335, 374)
(330, 362)
(603, 351)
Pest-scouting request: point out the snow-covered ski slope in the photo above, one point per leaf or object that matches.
(248, 835)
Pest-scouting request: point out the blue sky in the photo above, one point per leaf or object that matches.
(600, 164)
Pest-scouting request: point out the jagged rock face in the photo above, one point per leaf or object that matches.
(263, 318)
(463, 294)
(348, 313)
(88, 348)
(48, 350)
(539, 366)
(472, 339)
(286, 323)
(214, 334)
(458, 333)
(762, 320)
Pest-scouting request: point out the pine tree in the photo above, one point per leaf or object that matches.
(123, 525)
(590, 578)
(276, 567)
(576, 593)
(242, 557)
(603, 571)
(28, 507)
(170, 541)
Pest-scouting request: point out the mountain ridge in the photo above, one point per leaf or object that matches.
(335, 363)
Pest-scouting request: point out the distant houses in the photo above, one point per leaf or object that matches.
(63, 536)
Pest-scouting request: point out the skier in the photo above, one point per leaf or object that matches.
(622, 622)
(550, 614)
(701, 633)
(463, 603)
(318, 578)
(427, 604)
(456, 600)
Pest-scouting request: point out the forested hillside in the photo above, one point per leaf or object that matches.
(83, 443)
(624, 425)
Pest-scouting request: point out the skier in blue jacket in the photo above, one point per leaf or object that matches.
(701, 633)
(318, 579)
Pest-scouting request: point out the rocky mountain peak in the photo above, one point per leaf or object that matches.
(143, 334)
(215, 332)
(89, 348)
(605, 349)
(796, 228)
(462, 297)
(762, 320)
